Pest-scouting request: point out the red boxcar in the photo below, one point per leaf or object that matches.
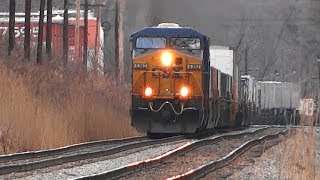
(57, 33)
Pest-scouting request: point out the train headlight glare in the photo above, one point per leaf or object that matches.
(148, 91)
(166, 59)
(184, 92)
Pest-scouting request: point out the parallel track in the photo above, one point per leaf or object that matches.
(36, 160)
(227, 159)
(11, 158)
(135, 167)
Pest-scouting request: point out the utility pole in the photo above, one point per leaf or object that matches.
(49, 28)
(97, 43)
(318, 108)
(246, 60)
(40, 34)
(85, 34)
(121, 7)
(282, 89)
(65, 33)
(11, 26)
(318, 60)
(116, 37)
(77, 32)
(27, 29)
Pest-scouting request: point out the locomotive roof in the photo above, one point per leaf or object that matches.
(168, 32)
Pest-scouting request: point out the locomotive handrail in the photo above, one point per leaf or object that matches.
(174, 110)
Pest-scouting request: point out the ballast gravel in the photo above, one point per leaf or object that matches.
(197, 157)
(297, 157)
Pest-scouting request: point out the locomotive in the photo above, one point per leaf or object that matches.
(181, 84)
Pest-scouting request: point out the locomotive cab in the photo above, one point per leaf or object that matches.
(169, 79)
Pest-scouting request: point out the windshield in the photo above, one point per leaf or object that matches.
(150, 43)
(185, 43)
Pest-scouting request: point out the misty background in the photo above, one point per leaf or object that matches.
(275, 36)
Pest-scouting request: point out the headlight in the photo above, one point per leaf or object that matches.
(184, 92)
(148, 92)
(166, 59)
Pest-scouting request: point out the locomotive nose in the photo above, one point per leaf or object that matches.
(165, 114)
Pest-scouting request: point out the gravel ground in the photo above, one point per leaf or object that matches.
(195, 158)
(297, 157)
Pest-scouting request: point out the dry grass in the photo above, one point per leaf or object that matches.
(48, 106)
(299, 160)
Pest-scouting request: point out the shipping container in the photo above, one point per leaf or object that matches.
(279, 95)
(57, 32)
(221, 58)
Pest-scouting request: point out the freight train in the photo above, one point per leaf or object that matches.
(270, 102)
(181, 84)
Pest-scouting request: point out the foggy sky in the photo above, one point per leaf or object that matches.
(282, 35)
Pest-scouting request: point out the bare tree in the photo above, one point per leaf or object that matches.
(246, 64)
(236, 49)
(97, 43)
(85, 34)
(77, 32)
(49, 28)
(27, 30)
(40, 34)
(11, 26)
(273, 58)
(65, 34)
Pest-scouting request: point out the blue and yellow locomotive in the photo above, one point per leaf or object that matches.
(173, 85)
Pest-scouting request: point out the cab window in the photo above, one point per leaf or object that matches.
(150, 43)
(190, 46)
(185, 43)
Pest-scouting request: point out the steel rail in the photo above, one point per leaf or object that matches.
(82, 156)
(57, 151)
(134, 167)
(224, 161)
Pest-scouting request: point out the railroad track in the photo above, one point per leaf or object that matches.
(81, 162)
(165, 158)
(227, 158)
(164, 165)
(106, 161)
(29, 161)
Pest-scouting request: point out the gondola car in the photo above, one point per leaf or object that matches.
(176, 87)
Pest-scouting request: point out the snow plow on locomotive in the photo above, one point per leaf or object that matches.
(177, 86)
